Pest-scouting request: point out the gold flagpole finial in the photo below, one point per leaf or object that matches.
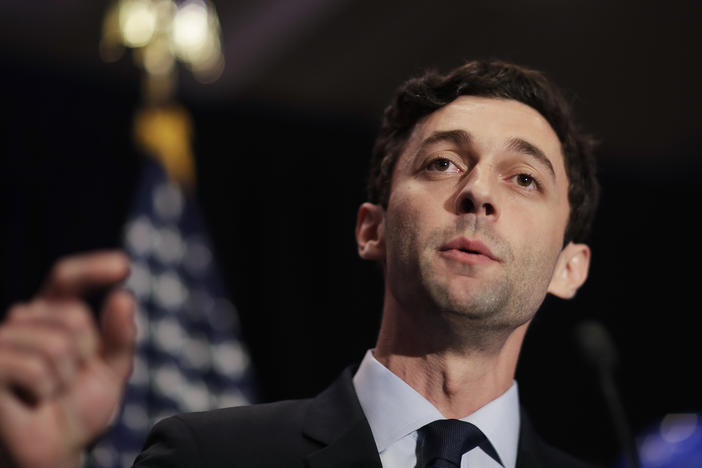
(161, 32)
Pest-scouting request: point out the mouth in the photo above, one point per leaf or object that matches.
(471, 251)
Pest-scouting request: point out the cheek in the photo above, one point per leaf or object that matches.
(400, 224)
(537, 240)
(543, 224)
(403, 210)
(532, 271)
(409, 218)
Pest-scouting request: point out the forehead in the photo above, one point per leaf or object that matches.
(491, 122)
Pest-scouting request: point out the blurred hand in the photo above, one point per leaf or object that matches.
(61, 375)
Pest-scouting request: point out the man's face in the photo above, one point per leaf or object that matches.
(477, 213)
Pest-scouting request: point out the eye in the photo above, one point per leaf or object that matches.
(527, 181)
(443, 165)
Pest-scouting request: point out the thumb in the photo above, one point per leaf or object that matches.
(118, 331)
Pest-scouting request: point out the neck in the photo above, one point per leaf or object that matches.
(459, 373)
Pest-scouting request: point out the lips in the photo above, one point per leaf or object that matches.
(468, 250)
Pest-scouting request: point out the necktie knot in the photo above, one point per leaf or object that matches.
(444, 442)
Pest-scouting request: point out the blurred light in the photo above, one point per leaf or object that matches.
(139, 280)
(168, 380)
(169, 334)
(230, 358)
(196, 353)
(196, 40)
(678, 427)
(105, 455)
(190, 31)
(676, 442)
(158, 58)
(164, 11)
(137, 22)
(139, 234)
(196, 396)
(169, 291)
(211, 69)
(653, 451)
(161, 31)
(169, 246)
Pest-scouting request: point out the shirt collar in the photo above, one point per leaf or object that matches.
(394, 410)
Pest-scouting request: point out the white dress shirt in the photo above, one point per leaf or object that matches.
(395, 411)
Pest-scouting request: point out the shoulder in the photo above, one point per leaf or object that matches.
(284, 434)
(247, 421)
(265, 433)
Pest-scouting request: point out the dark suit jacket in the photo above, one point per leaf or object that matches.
(329, 431)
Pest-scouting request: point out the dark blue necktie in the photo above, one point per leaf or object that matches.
(443, 443)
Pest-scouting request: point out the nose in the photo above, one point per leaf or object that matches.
(477, 194)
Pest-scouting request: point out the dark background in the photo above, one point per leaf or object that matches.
(282, 142)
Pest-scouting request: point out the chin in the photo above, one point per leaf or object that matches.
(486, 311)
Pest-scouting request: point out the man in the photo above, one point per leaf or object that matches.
(481, 192)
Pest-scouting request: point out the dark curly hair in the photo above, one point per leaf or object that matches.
(421, 96)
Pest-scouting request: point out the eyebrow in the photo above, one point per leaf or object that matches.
(524, 147)
(457, 137)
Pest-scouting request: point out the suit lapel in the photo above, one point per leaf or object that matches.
(335, 420)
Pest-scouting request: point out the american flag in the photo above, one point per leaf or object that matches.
(190, 355)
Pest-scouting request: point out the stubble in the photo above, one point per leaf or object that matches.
(472, 302)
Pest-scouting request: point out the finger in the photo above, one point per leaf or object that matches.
(118, 331)
(78, 274)
(52, 344)
(71, 315)
(26, 376)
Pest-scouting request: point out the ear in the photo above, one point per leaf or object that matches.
(370, 232)
(571, 270)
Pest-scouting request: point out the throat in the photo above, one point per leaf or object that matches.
(456, 385)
